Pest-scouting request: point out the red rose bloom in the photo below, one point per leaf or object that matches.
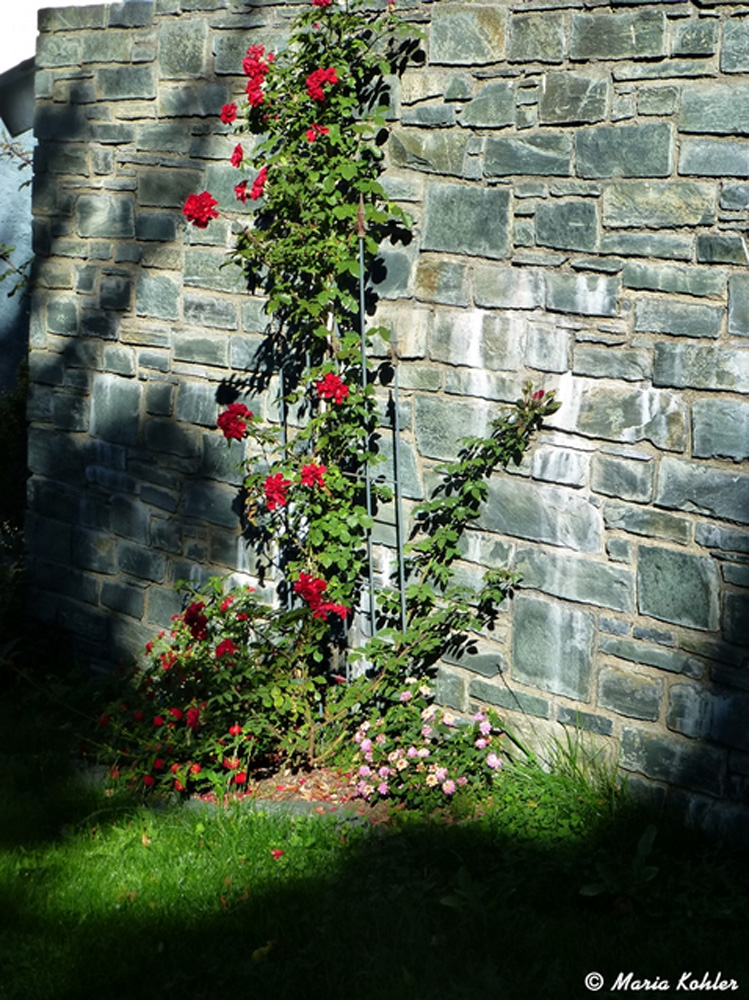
(176, 713)
(178, 786)
(240, 777)
(235, 730)
(316, 80)
(195, 769)
(199, 209)
(321, 3)
(226, 648)
(326, 608)
(196, 621)
(331, 387)
(158, 721)
(237, 155)
(229, 113)
(277, 853)
(148, 780)
(313, 474)
(313, 132)
(240, 192)
(192, 717)
(258, 184)
(276, 488)
(256, 66)
(233, 421)
(158, 763)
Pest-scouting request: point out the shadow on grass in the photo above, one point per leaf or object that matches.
(191, 902)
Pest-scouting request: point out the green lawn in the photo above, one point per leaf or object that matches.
(105, 898)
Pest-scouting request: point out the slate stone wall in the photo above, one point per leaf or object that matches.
(580, 182)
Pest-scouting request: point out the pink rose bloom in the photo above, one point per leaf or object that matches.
(412, 752)
(365, 771)
(448, 787)
(366, 745)
(485, 728)
(480, 744)
(382, 788)
(405, 696)
(493, 761)
(440, 773)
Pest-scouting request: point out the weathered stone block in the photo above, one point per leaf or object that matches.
(626, 363)
(155, 226)
(123, 598)
(493, 106)
(735, 619)
(567, 225)
(157, 296)
(466, 220)
(475, 338)
(560, 465)
(701, 367)
(467, 35)
(719, 716)
(105, 216)
(582, 580)
(713, 536)
(116, 293)
(572, 97)
(623, 478)
(657, 100)
(734, 197)
(137, 560)
(583, 294)
(720, 429)
(131, 14)
(116, 409)
(659, 204)
(642, 521)
(537, 37)
(681, 319)
(505, 697)
(738, 305)
(648, 245)
(125, 83)
(196, 403)
(201, 350)
(626, 415)
(671, 660)
(586, 721)
(211, 502)
(698, 281)
(715, 108)
(625, 151)
(107, 47)
(442, 281)
(548, 154)
(203, 310)
(94, 550)
(638, 34)
(552, 647)
(182, 48)
(734, 50)
(630, 694)
(174, 439)
(713, 158)
(167, 188)
(676, 761)
(695, 37)
(501, 287)
(72, 18)
(185, 101)
(678, 587)
(430, 115)
(482, 384)
(726, 248)
(694, 486)
(70, 412)
(542, 513)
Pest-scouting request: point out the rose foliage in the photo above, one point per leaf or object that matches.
(240, 682)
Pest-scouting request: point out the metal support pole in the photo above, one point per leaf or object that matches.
(395, 400)
(367, 485)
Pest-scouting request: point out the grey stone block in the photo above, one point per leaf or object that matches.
(196, 403)
(713, 158)
(720, 429)
(734, 197)
(738, 305)
(713, 536)
(125, 83)
(62, 316)
(173, 439)
(724, 248)
(105, 216)
(715, 108)
(673, 661)
(697, 281)
(585, 721)
(101, 325)
(201, 350)
(156, 226)
(676, 761)
(622, 478)
(463, 35)
(568, 98)
(72, 18)
(107, 47)
(695, 37)
(115, 411)
(627, 415)
(657, 100)
(735, 619)
(157, 296)
(467, 220)
(626, 363)
(167, 188)
(140, 561)
(567, 225)
(123, 598)
(734, 50)
(553, 647)
(94, 550)
(476, 338)
(637, 34)
(480, 657)
(701, 367)
(537, 37)
(212, 503)
(582, 294)
(560, 465)
(165, 535)
(681, 319)
(648, 245)
(629, 694)
(658, 204)
(501, 287)
(573, 579)
(695, 486)
(542, 513)
(643, 521)
(131, 14)
(449, 689)
(678, 587)
(547, 154)
(193, 101)
(625, 151)
(183, 48)
(493, 106)
(512, 699)
(221, 459)
(547, 348)
(116, 293)
(70, 411)
(430, 115)
(207, 311)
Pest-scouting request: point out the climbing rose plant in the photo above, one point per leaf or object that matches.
(239, 683)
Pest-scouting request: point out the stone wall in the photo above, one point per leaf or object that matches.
(580, 182)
